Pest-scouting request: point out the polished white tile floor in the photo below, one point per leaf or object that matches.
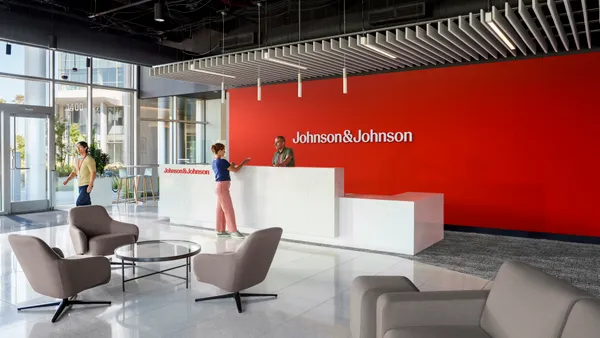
(312, 282)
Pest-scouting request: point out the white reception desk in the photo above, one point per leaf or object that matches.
(308, 203)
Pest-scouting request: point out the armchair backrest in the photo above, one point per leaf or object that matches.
(93, 220)
(584, 320)
(39, 263)
(526, 302)
(254, 257)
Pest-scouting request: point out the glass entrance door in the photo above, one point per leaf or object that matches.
(28, 150)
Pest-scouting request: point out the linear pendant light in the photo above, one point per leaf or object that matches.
(365, 42)
(493, 21)
(193, 68)
(268, 57)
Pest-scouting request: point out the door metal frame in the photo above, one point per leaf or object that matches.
(18, 110)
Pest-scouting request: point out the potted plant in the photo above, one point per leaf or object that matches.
(102, 159)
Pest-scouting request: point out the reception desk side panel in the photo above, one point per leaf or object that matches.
(377, 224)
(429, 221)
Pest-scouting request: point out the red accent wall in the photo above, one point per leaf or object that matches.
(512, 145)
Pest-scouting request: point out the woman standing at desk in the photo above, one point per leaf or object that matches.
(225, 212)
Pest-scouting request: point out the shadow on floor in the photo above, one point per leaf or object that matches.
(15, 223)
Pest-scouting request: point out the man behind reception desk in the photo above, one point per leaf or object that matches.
(284, 156)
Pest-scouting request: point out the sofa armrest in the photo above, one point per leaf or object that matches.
(122, 227)
(397, 310)
(79, 240)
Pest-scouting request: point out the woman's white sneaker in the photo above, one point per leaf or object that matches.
(223, 234)
(237, 234)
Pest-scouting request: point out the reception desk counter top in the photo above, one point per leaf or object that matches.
(308, 203)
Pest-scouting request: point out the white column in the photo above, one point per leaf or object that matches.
(161, 131)
(126, 155)
(181, 134)
(213, 126)
(35, 129)
(104, 128)
(199, 155)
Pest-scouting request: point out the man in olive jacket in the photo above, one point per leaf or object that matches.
(284, 156)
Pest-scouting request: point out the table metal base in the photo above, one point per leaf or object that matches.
(187, 265)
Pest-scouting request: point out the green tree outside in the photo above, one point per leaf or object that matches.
(75, 135)
(21, 149)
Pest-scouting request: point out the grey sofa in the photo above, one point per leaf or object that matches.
(523, 302)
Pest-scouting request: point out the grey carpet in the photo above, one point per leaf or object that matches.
(482, 255)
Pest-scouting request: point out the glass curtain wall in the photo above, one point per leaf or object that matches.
(112, 123)
(154, 142)
(70, 127)
(215, 118)
(24, 75)
(178, 130)
(190, 129)
(173, 130)
(93, 101)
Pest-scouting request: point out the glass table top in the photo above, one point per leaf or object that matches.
(157, 250)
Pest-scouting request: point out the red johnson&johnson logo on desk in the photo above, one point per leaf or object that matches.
(187, 171)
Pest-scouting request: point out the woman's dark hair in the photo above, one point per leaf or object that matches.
(84, 145)
(215, 148)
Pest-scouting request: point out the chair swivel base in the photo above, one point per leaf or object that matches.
(63, 305)
(238, 297)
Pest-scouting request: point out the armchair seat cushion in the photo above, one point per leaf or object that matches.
(437, 332)
(105, 245)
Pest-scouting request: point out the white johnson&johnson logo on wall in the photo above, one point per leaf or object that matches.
(187, 171)
(359, 137)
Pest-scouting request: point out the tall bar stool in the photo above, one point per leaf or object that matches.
(147, 177)
(124, 175)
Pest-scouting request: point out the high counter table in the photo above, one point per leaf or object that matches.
(308, 203)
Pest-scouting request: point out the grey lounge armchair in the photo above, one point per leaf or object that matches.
(523, 302)
(52, 275)
(94, 232)
(240, 270)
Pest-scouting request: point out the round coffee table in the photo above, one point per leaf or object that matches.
(158, 251)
